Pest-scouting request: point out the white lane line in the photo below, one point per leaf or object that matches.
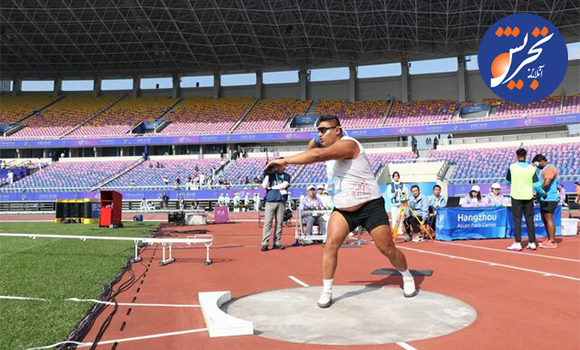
(20, 298)
(133, 304)
(489, 262)
(160, 335)
(406, 346)
(298, 281)
(509, 252)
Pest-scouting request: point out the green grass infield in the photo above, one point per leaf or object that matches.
(56, 269)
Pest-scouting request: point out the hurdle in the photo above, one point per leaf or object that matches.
(207, 240)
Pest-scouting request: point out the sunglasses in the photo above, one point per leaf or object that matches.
(324, 129)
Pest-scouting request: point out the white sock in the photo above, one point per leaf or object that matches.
(406, 273)
(327, 284)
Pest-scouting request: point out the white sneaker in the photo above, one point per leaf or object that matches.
(516, 246)
(531, 246)
(325, 299)
(409, 289)
(418, 239)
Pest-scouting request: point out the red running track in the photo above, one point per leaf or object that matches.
(527, 300)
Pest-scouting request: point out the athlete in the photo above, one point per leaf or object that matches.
(357, 198)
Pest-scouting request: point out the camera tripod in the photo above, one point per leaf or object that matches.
(400, 218)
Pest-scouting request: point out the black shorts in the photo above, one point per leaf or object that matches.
(370, 216)
(548, 207)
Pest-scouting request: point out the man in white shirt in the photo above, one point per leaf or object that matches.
(357, 197)
(311, 202)
(495, 198)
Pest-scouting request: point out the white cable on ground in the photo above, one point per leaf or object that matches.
(100, 302)
(132, 304)
(20, 298)
(60, 343)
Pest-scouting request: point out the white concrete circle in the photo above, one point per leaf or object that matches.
(359, 315)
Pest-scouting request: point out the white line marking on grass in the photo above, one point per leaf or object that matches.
(406, 346)
(133, 304)
(10, 297)
(298, 281)
(489, 262)
(509, 252)
(20, 298)
(160, 335)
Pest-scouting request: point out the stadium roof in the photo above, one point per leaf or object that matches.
(89, 38)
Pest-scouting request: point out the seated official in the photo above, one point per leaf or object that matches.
(420, 206)
(495, 198)
(473, 198)
(324, 197)
(311, 201)
(436, 201)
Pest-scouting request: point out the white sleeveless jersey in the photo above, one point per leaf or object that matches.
(352, 181)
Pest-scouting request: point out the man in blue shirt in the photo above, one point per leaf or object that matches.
(276, 181)
(436, 201)
(420, 205)
(549, 197)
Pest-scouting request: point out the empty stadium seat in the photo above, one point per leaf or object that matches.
(124, 115)
(148, 175)
(15, 108)
(204, 115)
(63, 116)
(70, 176)
(488, 165)
(272, 115)
(241, 168)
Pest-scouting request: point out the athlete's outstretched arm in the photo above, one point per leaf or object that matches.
(342, 149)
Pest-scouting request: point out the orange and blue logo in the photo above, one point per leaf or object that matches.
(523, 58)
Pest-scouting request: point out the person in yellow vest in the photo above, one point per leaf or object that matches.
(523, 178)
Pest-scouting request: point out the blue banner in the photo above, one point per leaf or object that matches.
(538, 224)
(292, 136)
(470, 223)
(474, 109)
(304, 120)
(486, 222)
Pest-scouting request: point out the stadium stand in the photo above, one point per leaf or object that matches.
(15, 108)
(204, 115)
(507, 110)
(571, 104)
(64, 115)
(361, 114)
(272, 115)
(147, 174)
(241, 168)
(487, 165)
(70, 176)
(124, 115)
(316, 173)
(420, 112)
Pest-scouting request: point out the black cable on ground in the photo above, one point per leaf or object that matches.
(87, 322)
(108, 295)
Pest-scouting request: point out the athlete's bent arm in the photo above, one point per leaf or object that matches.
(342, 149)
